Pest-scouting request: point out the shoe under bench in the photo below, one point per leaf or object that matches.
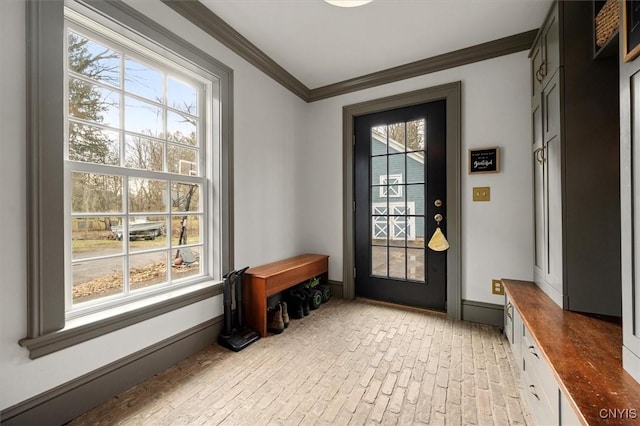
(263, 281)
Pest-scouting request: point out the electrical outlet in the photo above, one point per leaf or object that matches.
(496, 287)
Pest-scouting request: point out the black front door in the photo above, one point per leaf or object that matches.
(400, 187)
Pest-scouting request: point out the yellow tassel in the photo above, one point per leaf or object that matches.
(438, 242)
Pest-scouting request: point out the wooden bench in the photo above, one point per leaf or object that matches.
(266, 280)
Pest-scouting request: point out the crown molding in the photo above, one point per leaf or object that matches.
(468, 55)
(212, 24)
(202, 17)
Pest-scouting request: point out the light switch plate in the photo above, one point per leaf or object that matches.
(482, 193)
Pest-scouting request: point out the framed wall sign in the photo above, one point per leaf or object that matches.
(630, 29)
(484, 160)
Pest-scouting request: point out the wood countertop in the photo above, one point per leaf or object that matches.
(584, 353)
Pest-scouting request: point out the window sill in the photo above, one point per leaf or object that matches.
(91, 326)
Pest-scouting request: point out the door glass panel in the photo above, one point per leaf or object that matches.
(397, 137)
(415, 264)
(397, 263)
(378, 169)
(379, 140)
(417, 238)
(415, 135)
(399, 227)
(396, 164)
(379, 230)
(379, 261)
(415, 167)
(415, 197)
(379, 199)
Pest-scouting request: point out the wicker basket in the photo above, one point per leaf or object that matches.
(607, 21)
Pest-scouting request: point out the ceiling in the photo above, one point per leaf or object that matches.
(320, 44)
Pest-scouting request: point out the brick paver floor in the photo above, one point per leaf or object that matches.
(349, 362)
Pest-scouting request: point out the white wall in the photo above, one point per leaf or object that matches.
(269, 123)
(496, 236)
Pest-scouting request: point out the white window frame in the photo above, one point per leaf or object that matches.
(131, 46)
(49, 329)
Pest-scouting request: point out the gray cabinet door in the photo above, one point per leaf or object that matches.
(547, 175)
(553, 181)
(550, 41)
(538, 193)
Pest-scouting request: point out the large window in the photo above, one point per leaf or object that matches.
(132, 210)
(137, 169)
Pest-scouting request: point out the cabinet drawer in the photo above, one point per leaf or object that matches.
(538, 370)
(540, 407)
(568, 416)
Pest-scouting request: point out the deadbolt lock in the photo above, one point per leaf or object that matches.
(438, 203)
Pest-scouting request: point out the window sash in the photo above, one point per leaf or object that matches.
(128, 50)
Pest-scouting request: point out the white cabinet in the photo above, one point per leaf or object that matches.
(539, 388)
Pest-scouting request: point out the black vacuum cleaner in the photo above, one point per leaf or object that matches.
(235, 335)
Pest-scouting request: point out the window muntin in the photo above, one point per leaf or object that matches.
(137, 172)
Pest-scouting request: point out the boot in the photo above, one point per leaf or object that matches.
(285, 314)
(294, 306)
(305, 301)
(276, 324)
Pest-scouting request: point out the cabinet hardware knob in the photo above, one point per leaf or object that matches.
(532, 389)
(533, 351)
(539, 155)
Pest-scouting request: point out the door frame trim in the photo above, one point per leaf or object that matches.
(450, 92)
